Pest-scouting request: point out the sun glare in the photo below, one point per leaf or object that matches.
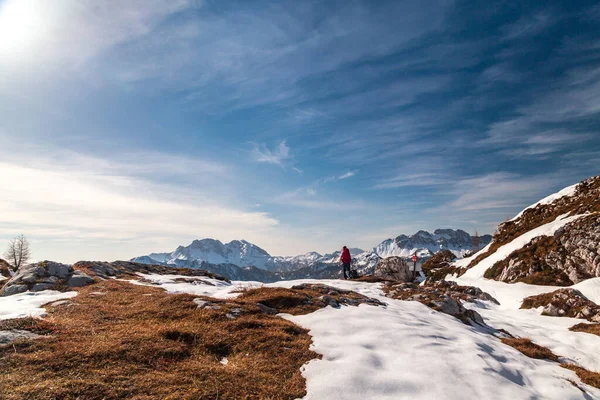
(20, 26)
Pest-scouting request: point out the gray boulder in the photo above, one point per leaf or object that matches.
(61, 271)
(44, 275)
(38, 287)
(266, 309)
(13, 289)
(79, 279)
(330, 301)
(395, 268)
(449, 306)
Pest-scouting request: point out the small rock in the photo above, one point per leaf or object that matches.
(14, 289)
(29, 278)
(61, 303)
(488, 297)
(50, 279)
(236, 311)
(202, 303)
(266, 309)
(586, 311)
(330, 301)
(474, 316)
(38, 287)
(7, 337)
(97, 294)
(449, 306)
(551, 310)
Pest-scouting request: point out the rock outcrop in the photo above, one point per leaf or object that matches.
(570, 256)
(105, 270)
(45, 275)
(564, 303)
(395, 268)
(439, 266)
(443, 296)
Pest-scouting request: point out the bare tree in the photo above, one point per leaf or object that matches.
(18, 252)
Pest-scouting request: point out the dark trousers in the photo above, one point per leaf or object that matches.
(346, 270)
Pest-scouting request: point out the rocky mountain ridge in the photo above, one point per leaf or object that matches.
(242, 260)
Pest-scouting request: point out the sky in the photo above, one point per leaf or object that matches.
(130, 127)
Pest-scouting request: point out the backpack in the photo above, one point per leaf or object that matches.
(353, 274)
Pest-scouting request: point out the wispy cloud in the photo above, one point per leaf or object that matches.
(497, 191)
(412, 179)
(347, 175)
(277, 156)
(108, 207)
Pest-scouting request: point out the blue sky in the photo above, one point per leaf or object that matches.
(134, 126)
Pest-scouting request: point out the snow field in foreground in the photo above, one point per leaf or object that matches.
(406, 350)
(29, 304)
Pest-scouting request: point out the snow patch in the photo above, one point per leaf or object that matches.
(29, 304)
(201, 286)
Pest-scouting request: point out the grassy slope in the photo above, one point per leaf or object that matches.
(142, 343)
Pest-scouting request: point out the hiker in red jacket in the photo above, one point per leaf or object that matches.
(346, 259)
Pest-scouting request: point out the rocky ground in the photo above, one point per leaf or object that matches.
(445, 297)
(45, 275)
(564, 303)
(49, 275)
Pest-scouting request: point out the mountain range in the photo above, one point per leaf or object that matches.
(242, 260)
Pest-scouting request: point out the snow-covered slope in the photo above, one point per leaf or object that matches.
(406, 350)
(555, 241)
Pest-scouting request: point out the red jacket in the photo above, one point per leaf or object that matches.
(346, 256)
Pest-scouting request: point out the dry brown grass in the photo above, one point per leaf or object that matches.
(129, 269)
(540, 300)
(439, 266)
(533, 258)
(587, 377)
(139, 342)
(296, 301)
(530, 349)
(533, 350)
(594, 329)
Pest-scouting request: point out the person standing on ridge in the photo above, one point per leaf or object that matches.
(346, 260)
